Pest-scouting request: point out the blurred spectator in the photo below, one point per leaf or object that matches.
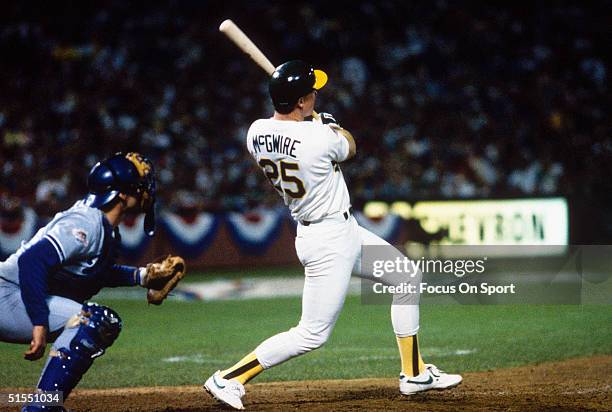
(11, 214)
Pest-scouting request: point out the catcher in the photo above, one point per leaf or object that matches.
(45, 284)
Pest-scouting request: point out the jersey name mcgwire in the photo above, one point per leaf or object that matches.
(275, 143)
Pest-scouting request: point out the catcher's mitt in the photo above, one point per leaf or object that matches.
(162, 277)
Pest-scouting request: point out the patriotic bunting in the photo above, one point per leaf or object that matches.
(133, 239)
(255, 231)
(191, 237)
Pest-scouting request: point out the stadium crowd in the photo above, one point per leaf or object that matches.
(445, 99)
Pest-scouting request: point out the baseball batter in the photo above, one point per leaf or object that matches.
(301, 160)
(45, 284)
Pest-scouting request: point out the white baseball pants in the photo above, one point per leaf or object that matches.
(330, 251)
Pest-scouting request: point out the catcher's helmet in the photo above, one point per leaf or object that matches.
(131, 174)
(292, 80)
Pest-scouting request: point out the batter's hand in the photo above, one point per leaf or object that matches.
(38, 344)
(326, 118)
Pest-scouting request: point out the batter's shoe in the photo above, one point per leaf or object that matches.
(228, 391)
(431, 378)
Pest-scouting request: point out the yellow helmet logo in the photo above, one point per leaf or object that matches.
(136, 158)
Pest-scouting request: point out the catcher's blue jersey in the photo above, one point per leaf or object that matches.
(86, 245)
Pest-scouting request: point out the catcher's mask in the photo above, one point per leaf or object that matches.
(128, 173)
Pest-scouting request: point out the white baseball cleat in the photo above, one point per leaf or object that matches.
(228, 391)
(431, 378)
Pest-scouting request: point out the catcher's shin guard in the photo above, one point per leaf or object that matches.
(98, 326)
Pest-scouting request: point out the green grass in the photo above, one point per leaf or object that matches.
(216, 334)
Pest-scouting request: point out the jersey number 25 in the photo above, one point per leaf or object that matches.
(271, 170)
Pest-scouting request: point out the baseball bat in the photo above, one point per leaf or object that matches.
(245, 44)
(231, 30)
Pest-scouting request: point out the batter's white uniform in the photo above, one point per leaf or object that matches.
(301, 160)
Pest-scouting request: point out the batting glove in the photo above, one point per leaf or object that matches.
(327, 118)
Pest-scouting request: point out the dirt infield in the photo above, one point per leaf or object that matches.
(572, 385)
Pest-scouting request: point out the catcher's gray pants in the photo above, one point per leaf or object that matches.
(15, 325)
